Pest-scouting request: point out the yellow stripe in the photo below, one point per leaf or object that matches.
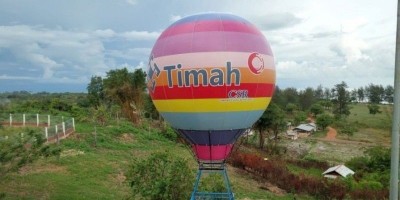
(211, 105)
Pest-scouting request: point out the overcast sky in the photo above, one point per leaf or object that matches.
(56, 46)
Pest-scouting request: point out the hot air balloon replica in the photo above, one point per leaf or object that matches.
(211, 76)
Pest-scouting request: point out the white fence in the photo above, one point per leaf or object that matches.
(54, 127)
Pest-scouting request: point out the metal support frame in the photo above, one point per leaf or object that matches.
(394, 162)
(212, 168)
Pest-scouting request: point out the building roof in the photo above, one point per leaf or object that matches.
(291, 133)
(339, 169)
(305, 127)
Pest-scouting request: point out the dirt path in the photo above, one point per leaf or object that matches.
(331, 134)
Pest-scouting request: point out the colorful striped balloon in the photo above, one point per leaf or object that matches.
(211, 76)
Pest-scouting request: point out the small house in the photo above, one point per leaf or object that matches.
(306, 128)
(292, 134)
(339, 170)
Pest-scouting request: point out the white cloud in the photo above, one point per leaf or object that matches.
(174, 18)
(140, 35)
(54, 51)
(106, 33)
(131, 2)
(277, 21)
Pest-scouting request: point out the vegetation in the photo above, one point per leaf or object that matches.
(17, 151)
(119, 133)
(160, 176)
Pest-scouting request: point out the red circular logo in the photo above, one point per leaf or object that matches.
(255, 63)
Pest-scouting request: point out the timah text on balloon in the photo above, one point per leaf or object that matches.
(216, 77)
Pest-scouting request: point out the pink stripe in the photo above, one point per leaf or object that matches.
(211, 60)
(212, 153)
(211, 42)
(208, 26)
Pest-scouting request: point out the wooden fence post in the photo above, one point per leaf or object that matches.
(48, 121)
(23, 119)
(63, 127)
(47, 133)
(37, 119)
(73, 123)
(58, 138)
(10, 119)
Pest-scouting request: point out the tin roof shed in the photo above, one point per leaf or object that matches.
(339, 170)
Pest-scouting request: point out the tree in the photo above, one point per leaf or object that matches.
(300, 117)
(353, 95)
(389, 94)
(126, 89)
(327, 94)
(272, 121)
(160, 176)
(376, 93)
(341, 100)
(346, 128)
(373, 109)
(95, 91)
(319, 93)
(307, 98)
(278, 97)
(290, 108)
(324, 120)
(360, 94)
(316, 109)
(290, 95)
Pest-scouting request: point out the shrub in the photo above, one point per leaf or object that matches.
(17, 151)
(160, 176)
(277, 173)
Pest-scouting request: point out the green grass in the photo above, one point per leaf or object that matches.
(308, 172)
(90, 168)
(93, 166)
(360, 115)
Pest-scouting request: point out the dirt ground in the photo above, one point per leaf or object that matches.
(329, 148)
(331, 134)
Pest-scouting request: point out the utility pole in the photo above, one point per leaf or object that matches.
(394, 163)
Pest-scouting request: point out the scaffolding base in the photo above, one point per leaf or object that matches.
(212, 168)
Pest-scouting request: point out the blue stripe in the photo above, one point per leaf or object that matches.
(212, 120)
(210, 16)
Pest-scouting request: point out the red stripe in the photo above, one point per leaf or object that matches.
(253, 90)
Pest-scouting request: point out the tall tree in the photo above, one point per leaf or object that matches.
(307, 98)
(324, 120)
(126, 89)
(316, 109)
(272, 121)
(327, 94)
(360, 94)
(376, 93)
(95, 91)
(353, 95)
(290, 95)
(319, 92)
(389, 94)
(341, 100)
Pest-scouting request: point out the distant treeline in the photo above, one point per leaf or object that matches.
(304, 99)
(126, 92)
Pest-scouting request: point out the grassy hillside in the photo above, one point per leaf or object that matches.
(94, 167)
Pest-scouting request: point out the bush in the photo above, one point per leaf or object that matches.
(212, 182)
(277, 173)
(160, 176)
(17, 151)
